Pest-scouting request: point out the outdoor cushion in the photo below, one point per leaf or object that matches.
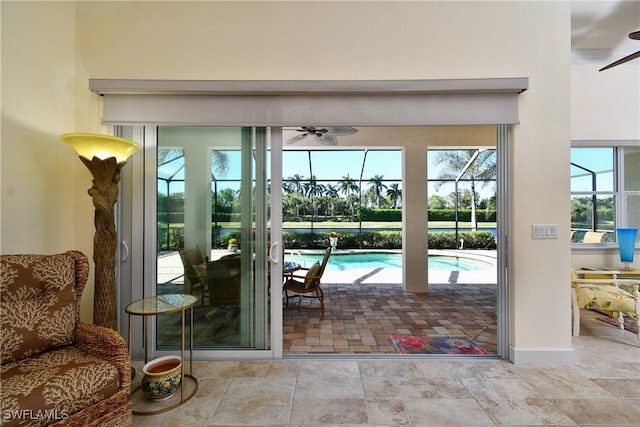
(38, 310)
(66, 379)
(605, 297)
(312, 274)
(200, 269)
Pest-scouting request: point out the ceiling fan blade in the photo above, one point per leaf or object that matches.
(622, 61)
(635, 35)
(342, 130)
(327, 139)
(297, 138)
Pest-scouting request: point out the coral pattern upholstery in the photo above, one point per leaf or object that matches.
(55, 369)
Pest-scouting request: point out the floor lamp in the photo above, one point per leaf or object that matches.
(108, 155)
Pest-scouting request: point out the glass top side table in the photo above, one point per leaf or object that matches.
(155, 306)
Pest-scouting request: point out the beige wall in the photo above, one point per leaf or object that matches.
(264, 40)
(605, 106)
(44, 206)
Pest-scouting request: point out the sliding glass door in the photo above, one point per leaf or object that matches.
(213, 235)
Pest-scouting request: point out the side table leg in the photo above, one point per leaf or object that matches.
(191, 342)
(183, 385)
(146, 339)
(133, 370)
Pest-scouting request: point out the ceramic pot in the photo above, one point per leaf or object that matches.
(162, 377)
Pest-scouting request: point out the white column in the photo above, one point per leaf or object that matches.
(414, 218)
(197, 202)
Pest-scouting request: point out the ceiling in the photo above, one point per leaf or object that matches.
(605, 25)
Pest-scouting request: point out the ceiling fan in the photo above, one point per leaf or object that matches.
(633, 36)
(323, 135)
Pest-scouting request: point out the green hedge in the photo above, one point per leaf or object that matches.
(346, 240)
(368, 214)
(472, 240)
(464, 215)
(387, 240)
(381, 215)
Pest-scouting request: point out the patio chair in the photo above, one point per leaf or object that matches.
(195, 271)
(306, 286)
(223, 281)
(604, 293)
(593, 237)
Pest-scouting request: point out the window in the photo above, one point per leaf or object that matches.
(605, 192)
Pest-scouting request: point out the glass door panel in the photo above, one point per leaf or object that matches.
(212, 234)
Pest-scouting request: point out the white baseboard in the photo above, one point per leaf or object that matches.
(544, 355)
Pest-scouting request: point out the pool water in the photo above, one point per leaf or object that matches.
(341, 262)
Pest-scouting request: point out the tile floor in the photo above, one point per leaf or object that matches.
(359, 318)
(601, 388)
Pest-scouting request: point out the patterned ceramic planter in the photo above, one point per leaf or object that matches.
(162, 377)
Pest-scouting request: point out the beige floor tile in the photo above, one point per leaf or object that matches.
(387, 412)
(600, 411)
(284, 368)
(236, 369)
(255, 401)
(447, 412)
(450, 368)
(389, 369)
(312, 411)
(513, 401)
(448, 388)
(327, 384)
(536, 411)
(628, 388)
(397, 388)
(498, 389)
(561, 382)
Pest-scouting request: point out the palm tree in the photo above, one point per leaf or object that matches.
(394, 193)
(332, 192)
(348, 187)
(219, 163)
(377, 185)
(480, 167)
(293, 184)
(313, 190)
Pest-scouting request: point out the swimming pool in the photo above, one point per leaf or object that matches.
(341, 262)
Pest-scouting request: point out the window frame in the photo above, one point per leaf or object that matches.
(619, 192)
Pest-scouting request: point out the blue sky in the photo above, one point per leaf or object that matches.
(598, 160)
(329, 165)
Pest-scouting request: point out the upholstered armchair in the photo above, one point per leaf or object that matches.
(56, 369)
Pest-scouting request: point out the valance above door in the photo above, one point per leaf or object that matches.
(317, 103)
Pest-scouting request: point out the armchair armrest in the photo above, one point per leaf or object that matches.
(303, 276)
(106, 344)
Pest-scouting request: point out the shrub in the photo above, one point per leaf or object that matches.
(387, 240)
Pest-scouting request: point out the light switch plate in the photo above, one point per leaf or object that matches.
(544, 231)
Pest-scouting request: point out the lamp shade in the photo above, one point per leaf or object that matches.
(89, 145)
(627, 243)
